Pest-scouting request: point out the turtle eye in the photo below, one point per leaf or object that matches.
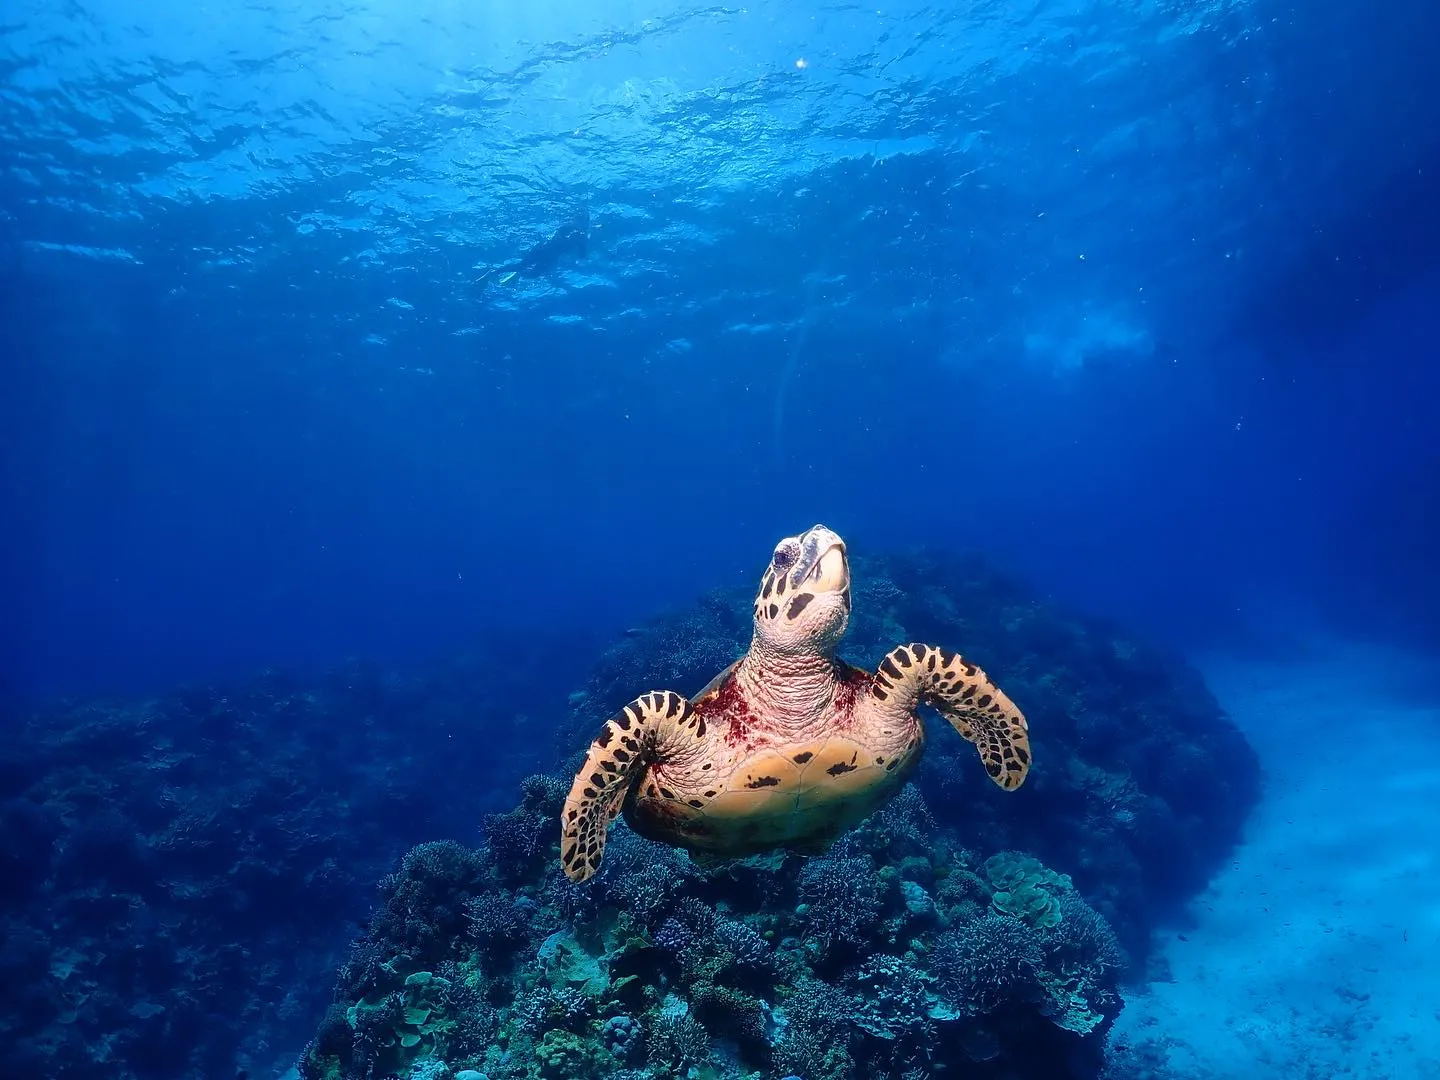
(784, 557)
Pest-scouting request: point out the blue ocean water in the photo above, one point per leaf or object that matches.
(376, 375)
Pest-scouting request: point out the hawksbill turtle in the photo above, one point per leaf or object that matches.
(789, 746)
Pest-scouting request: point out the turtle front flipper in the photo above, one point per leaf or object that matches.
(637, 736)
(963, 695)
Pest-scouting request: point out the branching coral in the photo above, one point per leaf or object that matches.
(817, 1035)
(842, 897)
(517, 840)
(497, 924)
(734, 1015)
(675, 1042)
(985, 962)
(746, 948)
(892, 1002)
(472, 1020)
(423, 913)
(642, 877)
(1082, 938)
(1070, 966)
(904, 824)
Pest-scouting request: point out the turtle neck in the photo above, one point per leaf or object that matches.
(791, 691)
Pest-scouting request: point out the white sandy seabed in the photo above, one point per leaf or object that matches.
(1315, 953)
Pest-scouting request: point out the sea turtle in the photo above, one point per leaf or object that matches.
(789, 746)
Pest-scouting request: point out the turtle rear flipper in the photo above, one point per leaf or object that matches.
(964, 695)
(637, 736)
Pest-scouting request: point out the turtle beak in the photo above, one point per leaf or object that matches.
(833, 570)
(823, 561)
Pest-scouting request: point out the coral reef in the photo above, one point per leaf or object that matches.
(822, 968)
(184, 874)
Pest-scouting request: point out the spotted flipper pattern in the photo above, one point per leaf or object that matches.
(637, 736)
(964, 695)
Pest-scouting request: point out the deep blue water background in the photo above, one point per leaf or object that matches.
(1139, 299)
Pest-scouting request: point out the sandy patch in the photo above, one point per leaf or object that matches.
(1316, 953)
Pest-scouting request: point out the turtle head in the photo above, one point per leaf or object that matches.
(804, 599)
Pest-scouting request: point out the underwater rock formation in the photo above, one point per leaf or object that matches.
(896, 954)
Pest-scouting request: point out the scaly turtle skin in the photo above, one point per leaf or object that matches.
(789, 746)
